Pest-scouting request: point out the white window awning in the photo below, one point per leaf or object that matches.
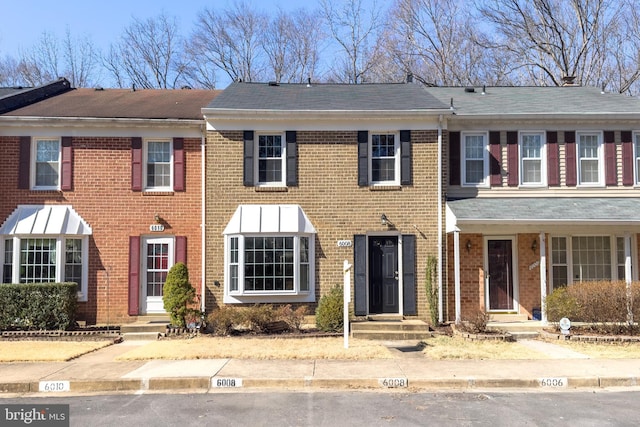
(269, 219)
(45, 220)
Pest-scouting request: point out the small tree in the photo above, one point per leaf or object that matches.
(329, 314)
(178, 294)
(432, 289)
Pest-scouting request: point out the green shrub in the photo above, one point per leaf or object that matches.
(38, 306)
(329, 314)
(179, 295)
(432, 289)
(560, 303)
(223, 320)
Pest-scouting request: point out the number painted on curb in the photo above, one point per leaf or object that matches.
(393, 382)
(553, 382)
(54, 386)
(226, 382)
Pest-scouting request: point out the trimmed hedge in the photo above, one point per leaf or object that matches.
(38, 306)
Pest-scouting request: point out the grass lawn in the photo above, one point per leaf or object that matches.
(47, 351)
(456, 348)
(604, 350)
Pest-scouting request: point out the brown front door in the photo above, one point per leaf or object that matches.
(500, 275)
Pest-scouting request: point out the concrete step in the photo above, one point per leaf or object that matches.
(391, 335)
(524, 335)
(142, 336)
(507, 317)
(528, 326)
(143, 327)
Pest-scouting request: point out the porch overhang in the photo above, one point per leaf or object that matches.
(533, 214)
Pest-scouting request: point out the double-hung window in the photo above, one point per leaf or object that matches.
(158, 165)
(271, 155)
(590, 164)
(532, 159)
(39, 259)
(384, 158)
(475, 159)
(46, 170)
(269, 255)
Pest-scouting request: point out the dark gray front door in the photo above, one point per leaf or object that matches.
(383, 275)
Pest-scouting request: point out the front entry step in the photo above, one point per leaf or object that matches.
(390, 330)
(149, 327)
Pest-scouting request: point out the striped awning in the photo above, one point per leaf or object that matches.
(45, 220)
(269, 219)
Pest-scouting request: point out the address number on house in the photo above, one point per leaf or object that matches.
(226, 382)
(344, 243)
(553, 382)
(393, 382)
(53, 386)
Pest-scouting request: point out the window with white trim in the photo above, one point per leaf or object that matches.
(45, 173)
(39, 259)
(475, 159)
(532, 159)
(269, 265)
(158, 165)
(636, 157)
(271, 164)
(586, 258)
(384, 158)
(590, 165)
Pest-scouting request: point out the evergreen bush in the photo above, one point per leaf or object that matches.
(329, 314)
(179, 295)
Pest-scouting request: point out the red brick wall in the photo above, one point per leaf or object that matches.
(102, 196)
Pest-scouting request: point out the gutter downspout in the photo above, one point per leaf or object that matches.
(203, 151)
(440, 303)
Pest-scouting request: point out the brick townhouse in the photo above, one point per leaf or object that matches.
(301, 177)
(542, 191)
(103, 187)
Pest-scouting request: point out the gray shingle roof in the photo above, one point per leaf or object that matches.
(534, 100)
(533, 210)
(326, 97)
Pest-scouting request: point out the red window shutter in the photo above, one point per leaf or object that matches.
(24, 163)
(570, 158)
(136, 164)
(181, 249)
(66, 183)
(610, 173)
(454, 158)
(134, 275)
(627, 158)
(512, 159)
(178, 164)
(553, 160)
(495, 159)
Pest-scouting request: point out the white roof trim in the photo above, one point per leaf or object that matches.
(45, 220)
(269, 219)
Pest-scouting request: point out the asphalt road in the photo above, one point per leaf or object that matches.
(362, 408)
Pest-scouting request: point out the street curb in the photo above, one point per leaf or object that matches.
(205, 384)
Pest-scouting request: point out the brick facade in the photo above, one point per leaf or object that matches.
(102, 196)
(329, 194)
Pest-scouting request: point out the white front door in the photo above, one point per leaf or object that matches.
(157, 259)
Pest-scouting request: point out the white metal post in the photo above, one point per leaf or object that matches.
(346, 290)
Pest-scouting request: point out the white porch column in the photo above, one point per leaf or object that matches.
(543, 277)
(456, 263)
(627, 275)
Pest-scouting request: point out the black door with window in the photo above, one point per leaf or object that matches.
(383, 275)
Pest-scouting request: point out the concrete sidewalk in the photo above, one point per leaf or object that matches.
(100, 372)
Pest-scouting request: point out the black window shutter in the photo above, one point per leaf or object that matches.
(360, 274)
(25, 163)
(409, 274)
(248, 158)
(405, 157)
(292, 158)
(363, 158)
(454, 158)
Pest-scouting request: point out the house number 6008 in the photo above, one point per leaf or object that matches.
(344, 243)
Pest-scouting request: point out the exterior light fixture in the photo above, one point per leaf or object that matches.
(468, 245)
(534, 246)
(384, 220)
(157, 218)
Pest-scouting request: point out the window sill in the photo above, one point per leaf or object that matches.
(157, 193)
(385, 188)
(271, 189)
(46, 191)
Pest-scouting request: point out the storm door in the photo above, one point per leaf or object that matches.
(500, 276)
